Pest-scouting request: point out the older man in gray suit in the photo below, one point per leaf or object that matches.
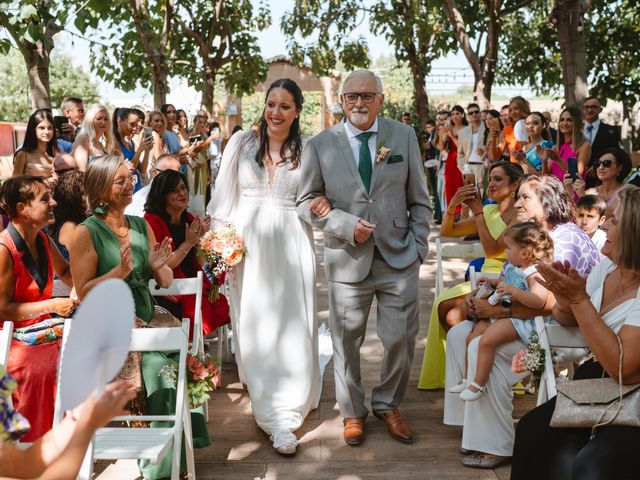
(375, 237)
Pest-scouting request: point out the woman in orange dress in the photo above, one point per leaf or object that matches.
(28, 259)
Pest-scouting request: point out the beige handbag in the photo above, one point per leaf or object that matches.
(593, 403)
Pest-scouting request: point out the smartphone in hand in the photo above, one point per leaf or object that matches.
(572, 164)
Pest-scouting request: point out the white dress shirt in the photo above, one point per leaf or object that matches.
(136, 207)
(352, 132)
(591, 136)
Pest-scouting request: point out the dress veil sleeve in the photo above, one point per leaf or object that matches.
(226, 193)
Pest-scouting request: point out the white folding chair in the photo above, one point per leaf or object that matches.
(465, 251)
(186, 286)
(152, 443)
(554, 336)
(6, 334)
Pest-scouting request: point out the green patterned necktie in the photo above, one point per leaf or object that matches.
(364, 159)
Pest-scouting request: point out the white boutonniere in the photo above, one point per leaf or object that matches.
(383, 152)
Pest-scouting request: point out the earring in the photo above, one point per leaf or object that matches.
(513, 194)
(102, 207)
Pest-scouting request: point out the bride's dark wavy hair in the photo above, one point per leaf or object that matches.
(293, 143)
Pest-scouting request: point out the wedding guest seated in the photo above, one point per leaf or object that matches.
(60, 452)
(606, 308)
(590, 215)
(35, 156)
(70, 211)
(164, 162)
(28, 260)
(488, 433)
(612, 167)
(110, 244)
(166, 213)
(489, 222)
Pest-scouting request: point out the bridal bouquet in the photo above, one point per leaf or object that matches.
(203, 376)
(530, 360)
(223, 249)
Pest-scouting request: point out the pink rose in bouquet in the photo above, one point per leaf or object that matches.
(223, 249)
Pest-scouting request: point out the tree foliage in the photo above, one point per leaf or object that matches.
(220, 40)
(31, 25)
(415, 28)
(326, 26)
(66, 80)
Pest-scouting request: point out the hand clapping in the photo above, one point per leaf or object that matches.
(160, 254)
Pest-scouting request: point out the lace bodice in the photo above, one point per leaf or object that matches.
(254, 180)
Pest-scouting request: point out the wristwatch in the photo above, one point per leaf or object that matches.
(505, 302)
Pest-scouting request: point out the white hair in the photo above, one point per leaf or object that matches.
(359, 73)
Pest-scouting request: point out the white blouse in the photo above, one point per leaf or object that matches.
(627, 313)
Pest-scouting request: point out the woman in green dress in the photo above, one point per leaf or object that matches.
(110, 244)
(489, 223)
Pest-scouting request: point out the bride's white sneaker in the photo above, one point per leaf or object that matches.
(284, 442)
(459, 387)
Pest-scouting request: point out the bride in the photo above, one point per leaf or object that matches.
(273, 295)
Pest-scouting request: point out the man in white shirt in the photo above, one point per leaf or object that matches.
(167, 161)
(471, 144)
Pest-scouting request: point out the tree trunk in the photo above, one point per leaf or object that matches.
(484, 67)
(160, 87)
(37, 61)
(628, 128)
(208, 86)
(568, 16)
(420, 96)
(482, 91)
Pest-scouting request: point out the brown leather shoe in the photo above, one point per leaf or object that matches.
(396, 425)
(353, 431)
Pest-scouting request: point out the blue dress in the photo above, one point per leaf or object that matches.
(129, 152)
(518, 278)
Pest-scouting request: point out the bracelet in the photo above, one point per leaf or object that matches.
(179, 249)
(478, 214)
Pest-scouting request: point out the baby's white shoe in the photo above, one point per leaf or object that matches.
(469, 395)
(459, 387)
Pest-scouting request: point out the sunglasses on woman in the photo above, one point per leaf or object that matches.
(603, 163)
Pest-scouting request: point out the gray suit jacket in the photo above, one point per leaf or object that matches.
(398, 203)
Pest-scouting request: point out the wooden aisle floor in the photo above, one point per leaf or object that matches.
(241, 451)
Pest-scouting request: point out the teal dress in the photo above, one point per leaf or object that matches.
(161, 394)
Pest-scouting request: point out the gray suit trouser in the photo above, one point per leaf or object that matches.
(396, 292)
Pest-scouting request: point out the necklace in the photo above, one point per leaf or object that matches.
(120, 235)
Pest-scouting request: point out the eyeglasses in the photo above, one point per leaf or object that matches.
(591, 107)
(473, 112)
(123, 182)
(603, 163)
(367, 97)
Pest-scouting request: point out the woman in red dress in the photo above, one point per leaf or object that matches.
(449, 139)
(28, 259)
(166, 213)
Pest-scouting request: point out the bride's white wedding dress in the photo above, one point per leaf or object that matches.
(272, 292)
